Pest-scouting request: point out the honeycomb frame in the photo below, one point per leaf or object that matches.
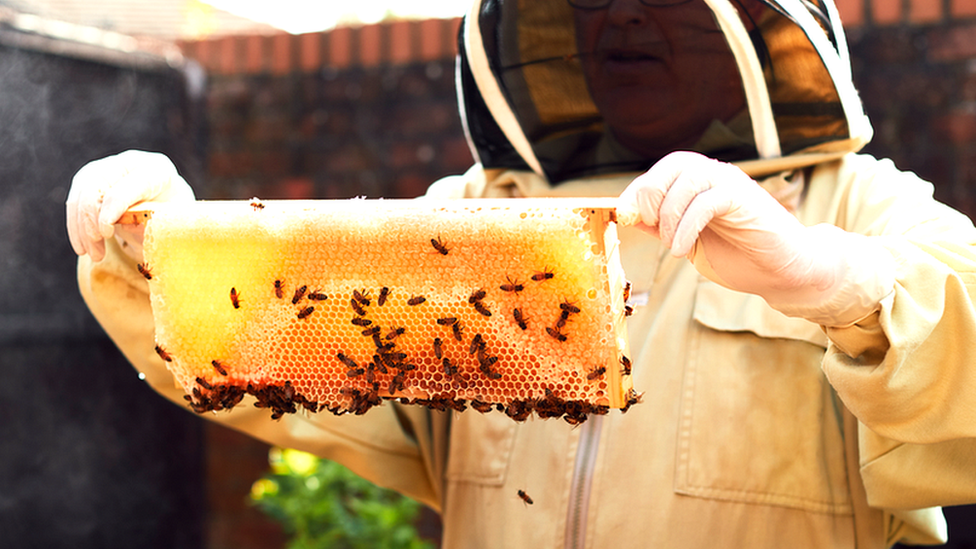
(340, 304)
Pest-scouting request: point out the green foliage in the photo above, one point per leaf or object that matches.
(321, 504)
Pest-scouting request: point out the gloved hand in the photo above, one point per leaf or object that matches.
(104, 189)
(739, 236)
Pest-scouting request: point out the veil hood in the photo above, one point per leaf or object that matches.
(525, 104)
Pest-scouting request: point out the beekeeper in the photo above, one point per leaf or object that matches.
(803, 326)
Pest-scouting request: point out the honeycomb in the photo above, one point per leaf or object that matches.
(508, 305)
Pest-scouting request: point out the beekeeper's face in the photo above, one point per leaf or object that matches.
(658, 73)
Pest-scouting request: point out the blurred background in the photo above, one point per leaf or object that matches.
(289, 102)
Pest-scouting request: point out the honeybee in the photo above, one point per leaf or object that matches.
(299, 293)
(447, 321)
(196, 407)
(144, 270)
(483, 407)
(569, 307)
(219, 367)
(357, 307)
(546, 274)
(438, 349)
(232, 398)
(395, 333)
(317, 296)
(520, 318)
(482, 308)
(287, 391)
(555, 333)
(387, 359)
(370, 331)
(525, 497)
(563, 317)
(360, 321)
(346, 360)
(306, 311)
(477, 296)
(163, 354)
(377, 364)
(512, 286)
(203, 383)
(396, 384)
(456, 328)
(596, 373)
(477, 343)
(361, 297)
(457, 405)
(355, 372)
(628, 310)
(439, 245)
(627, 291)
(256, 204)
(279, 288)
(485, 367)
(235, 298)
(574, 420)
(449, 369)
(416, 300)
(384, 292)
(626, 364)
(633, 397)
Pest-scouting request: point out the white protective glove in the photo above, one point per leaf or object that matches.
(739, 236)
(104, 189)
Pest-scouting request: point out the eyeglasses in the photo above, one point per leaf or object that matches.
(601, 4)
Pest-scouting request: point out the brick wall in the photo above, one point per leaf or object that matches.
(356, 111)
(918, 84)
(371, 111)
(879, 13)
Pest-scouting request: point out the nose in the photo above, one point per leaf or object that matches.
(627, 12)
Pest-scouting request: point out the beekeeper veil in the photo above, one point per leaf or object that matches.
(540, 86)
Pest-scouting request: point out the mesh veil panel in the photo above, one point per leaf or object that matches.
(532, 53)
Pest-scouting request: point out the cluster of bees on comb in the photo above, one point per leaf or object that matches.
(455, 352)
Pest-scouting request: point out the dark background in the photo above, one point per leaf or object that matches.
(89, 456)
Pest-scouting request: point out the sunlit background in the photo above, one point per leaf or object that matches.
(202, 19)
(300, 16)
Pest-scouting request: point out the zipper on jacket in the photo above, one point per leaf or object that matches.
(579, 490)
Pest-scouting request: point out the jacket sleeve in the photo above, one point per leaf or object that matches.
(399, 447)
(906, 372)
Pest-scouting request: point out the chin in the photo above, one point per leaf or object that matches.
(646, 101)
(656, 132)
(637, 110)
